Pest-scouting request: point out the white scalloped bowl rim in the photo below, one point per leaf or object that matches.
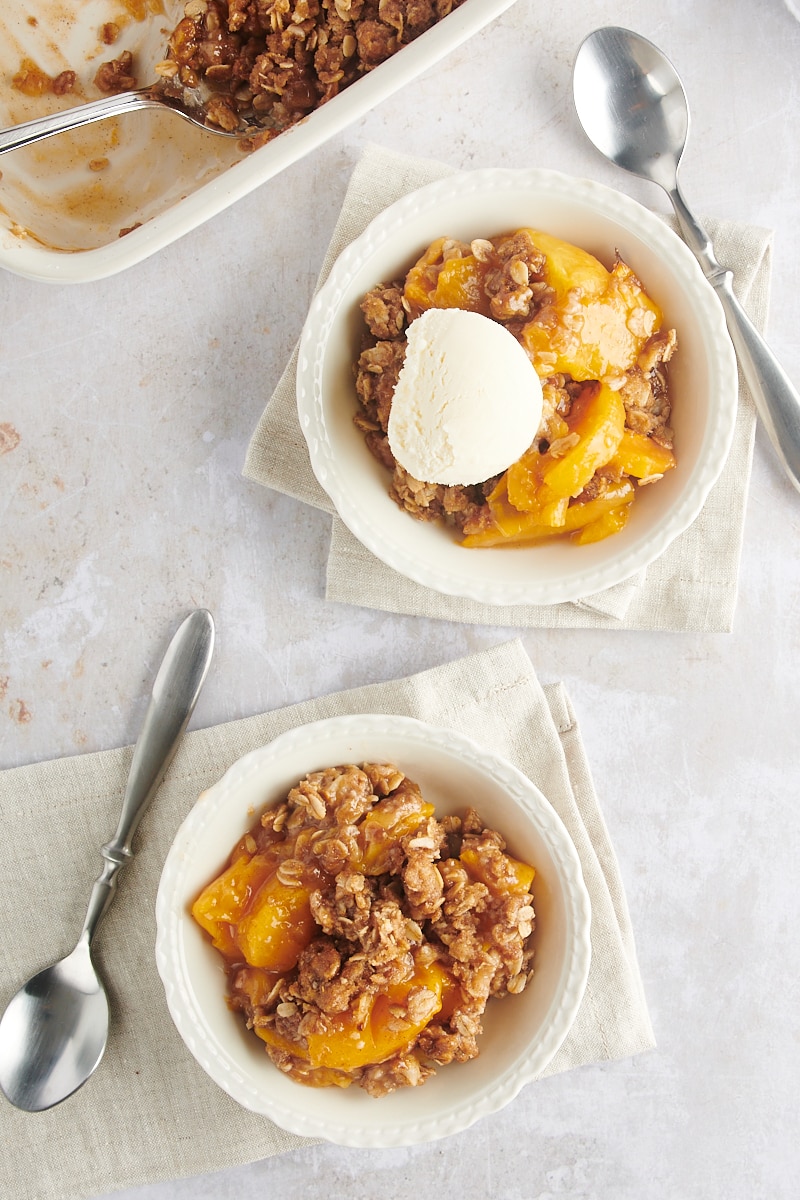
(522, 1033)
(703, 383)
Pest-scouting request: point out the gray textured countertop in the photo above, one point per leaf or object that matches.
(122, 504)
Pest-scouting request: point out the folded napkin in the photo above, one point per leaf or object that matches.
(692, 586)
(150, 1113)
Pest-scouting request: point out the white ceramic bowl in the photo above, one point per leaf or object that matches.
(522, 1033)
(60, 222)
(485, 203)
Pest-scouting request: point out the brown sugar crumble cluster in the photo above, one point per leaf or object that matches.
(262, 63)
(275, 61)
(116, 75)
(31, 80)
(363, 937)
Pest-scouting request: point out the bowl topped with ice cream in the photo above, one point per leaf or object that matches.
(517, 387)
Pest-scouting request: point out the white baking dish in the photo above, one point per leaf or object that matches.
(60, 220)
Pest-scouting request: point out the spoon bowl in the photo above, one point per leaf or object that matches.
(632, 105)
(53, 1033)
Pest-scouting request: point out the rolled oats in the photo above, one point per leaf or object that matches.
(275, 61)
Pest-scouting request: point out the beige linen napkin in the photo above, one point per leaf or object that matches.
(150, 1113)
(693, 585)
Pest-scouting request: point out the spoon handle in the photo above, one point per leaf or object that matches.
(776, 398)
(75, 117)
(175, 691)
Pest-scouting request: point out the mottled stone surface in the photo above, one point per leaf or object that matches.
(125, 409)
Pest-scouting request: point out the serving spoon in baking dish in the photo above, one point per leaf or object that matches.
(53, 1033)
(632, 105)
(112, 106)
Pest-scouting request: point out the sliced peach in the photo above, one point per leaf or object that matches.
(525, 528)
(420, 284)
(460, 285)
(279, 923)
(598, 417)
(390, 819)
(568, 267)
(520, 873)
(599, 320)
(609, 523)
(223, 903)
(511, 517)
(256, 983)
(345, 1046)
(528, 532)
(525, 492)
(640, 456)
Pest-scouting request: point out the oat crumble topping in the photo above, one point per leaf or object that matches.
(394, 930)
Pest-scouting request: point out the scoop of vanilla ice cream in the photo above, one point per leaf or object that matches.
(468, 401)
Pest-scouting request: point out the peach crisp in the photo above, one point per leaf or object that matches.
(363, 936)
(598, 344)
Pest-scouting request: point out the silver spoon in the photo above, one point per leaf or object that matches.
(112, 106)
(632, 105)
(54, 1031)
